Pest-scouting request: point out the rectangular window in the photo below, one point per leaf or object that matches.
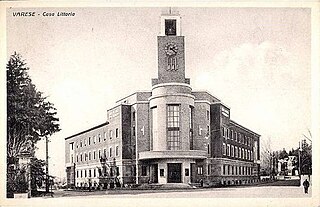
(228, 169)
(232, 151)
(236, 136)
(242, 154)
(89, 155)
(94, 173)
(117, 132)
(236, 151)
(228, 149)
(224, 170)
(110, 152)
(89, 173)
(77, 173)
(209, 169)
(99, 154)
(110, 134)
(144, 170)
(71, 146)
(133, 131)
(224, 150)
(81, 157)
(208, 115)
(94, 139)
(117, 150)
(154, 116)
(231, 134)
(133, 117)
(191, 127)
(173, 127)
(99, 137)
(85, 173)
(105, 136)
(80, 173)
(104, 153)
(170, 27)
(200, 170)
(89, 142)
(81, 143)
(94, 155)
(223, 132)
(236, 168)
(161, 172)
(227, 133)
(186, 172)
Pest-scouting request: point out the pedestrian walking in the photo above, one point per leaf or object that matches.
(306, 185)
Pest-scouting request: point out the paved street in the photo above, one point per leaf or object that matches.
(237, 192)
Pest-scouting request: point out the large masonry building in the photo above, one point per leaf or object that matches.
(170, 134)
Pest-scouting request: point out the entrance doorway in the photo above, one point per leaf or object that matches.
(154, 173)
(174, 172)
(193, 172)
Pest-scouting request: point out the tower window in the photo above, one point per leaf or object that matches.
(173, 123)
(170, 25)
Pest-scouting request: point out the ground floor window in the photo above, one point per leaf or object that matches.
(200, 170)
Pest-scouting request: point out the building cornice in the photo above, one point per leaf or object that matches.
(173, 94)
(171, 84)
(136, 92)
(85, 131)
(244, 128)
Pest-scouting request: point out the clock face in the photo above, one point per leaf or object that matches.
(171, 49)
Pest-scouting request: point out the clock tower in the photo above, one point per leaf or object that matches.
(171, 56)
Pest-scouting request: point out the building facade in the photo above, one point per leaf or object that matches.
(170, 134)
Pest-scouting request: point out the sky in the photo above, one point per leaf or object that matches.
(256, 60)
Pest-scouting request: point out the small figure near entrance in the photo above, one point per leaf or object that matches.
(306, 185)
(201, 183)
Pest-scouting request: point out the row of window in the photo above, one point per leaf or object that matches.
(237, 152)
(93, 156)
(236, 136)
(236, 170)
(97, 172)
(97, 139)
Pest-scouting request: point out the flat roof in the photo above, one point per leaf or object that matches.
(85, 131)
(244, 128)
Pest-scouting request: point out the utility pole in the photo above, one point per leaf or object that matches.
(47, 166)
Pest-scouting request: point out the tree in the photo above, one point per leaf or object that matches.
(283, 154)
(29, 116)
(37, 173)
(306, 158)
(267, 158)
